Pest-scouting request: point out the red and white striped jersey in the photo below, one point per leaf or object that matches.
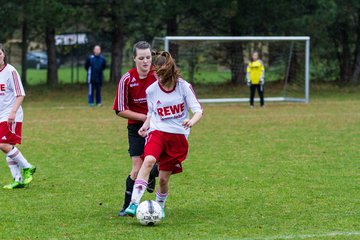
(10, 87)
(168, 109)
(130, 94)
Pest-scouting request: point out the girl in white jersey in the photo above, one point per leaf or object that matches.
(11, 116)
(168, 125)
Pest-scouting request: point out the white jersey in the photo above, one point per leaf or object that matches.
(10, 87)
(168, 109)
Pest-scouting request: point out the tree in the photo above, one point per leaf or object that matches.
(24, 47)
(126, 21)
(334, 27)
(52, 15)
(108, 16)
(229, 19)
(27, 23)
(9, 18)
(9, 11)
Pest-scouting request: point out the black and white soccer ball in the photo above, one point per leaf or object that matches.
(149, 213)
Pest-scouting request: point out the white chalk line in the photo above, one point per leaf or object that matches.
(303, 236)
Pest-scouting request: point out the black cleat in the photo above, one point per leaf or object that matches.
(151, 185)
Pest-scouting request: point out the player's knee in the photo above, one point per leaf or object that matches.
(5, 147)
(149, 161)
(163, 180)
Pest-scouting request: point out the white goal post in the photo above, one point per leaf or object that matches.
(306, 51)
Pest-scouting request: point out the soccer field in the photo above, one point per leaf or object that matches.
(289, 171)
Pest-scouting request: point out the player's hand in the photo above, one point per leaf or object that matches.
(262, 81)
(142, 131)
(187, 123)
(11, 119)
(248, 84)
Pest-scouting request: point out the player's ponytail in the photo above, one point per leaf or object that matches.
(166, 68)
(4, 52)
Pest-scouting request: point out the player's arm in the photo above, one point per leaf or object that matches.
(145, 127)
(195, 107)
(248, 81)
(121, 102)
(128, 114)
(143, 130)
(17, 88)
(15, 108)
(188, 123)
(262, 78)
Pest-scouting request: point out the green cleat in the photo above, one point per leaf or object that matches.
(131, 209)
(28, 174)
(163, 213)
(14, 185)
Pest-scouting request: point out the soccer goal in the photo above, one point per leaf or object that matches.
(216, 61)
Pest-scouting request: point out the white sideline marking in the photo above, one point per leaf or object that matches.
(304, 236)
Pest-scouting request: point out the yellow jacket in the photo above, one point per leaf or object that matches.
(255, 72)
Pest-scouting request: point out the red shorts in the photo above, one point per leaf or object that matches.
(169, 149)
(10, 134)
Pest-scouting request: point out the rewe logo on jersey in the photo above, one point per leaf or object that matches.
(171, 110)
(2, 89)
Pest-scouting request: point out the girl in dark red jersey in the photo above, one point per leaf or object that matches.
(130, 103)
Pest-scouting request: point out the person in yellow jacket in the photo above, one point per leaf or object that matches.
(255, 74)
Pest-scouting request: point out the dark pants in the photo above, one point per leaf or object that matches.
(94, 87)
(260, 89)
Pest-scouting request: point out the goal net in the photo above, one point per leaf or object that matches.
(216, 62)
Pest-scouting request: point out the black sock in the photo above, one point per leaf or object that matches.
(128, 191)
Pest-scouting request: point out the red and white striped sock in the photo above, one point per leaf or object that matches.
(161, 198)
(138, 191)
(16, 155)
(14, 169)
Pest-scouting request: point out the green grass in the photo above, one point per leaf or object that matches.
(286, 170)
(38, 76)
(206, 75)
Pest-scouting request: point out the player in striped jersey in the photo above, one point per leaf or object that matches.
(168, 125)
(11, 116)
(130, 103)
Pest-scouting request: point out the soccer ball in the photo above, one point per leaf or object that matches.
(149, 213)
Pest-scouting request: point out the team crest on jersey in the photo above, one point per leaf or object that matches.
(133, 83)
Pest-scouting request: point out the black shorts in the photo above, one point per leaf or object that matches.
(136, 142)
